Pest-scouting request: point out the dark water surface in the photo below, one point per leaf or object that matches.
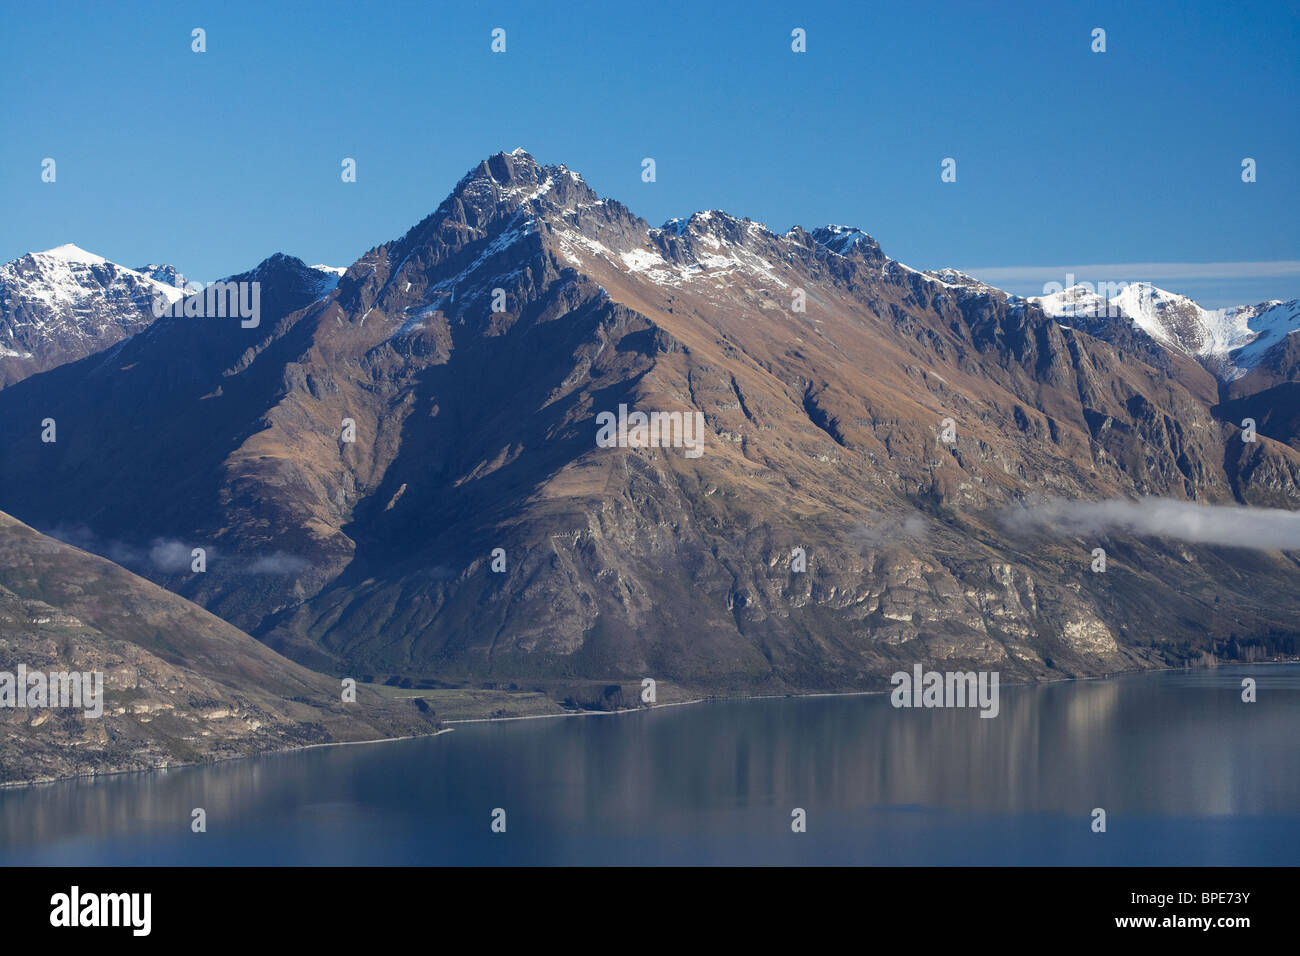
(1187, 774)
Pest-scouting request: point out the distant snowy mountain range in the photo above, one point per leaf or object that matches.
(65, 303)
(1229, 342)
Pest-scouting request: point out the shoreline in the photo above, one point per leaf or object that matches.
(49, 781)
(838, 693)
(4, 787)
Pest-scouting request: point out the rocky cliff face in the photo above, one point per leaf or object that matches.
(472, 358)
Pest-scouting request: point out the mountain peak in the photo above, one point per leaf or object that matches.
(281, 260)
(72, 253)
(516, 176)
(509, 168)
(844, 239)
(293, 276)
(497, 200)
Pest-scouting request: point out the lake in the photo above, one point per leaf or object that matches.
(1187, 773)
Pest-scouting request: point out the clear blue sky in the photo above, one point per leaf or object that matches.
(213, 161)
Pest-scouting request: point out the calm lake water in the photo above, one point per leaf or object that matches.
(1187, 773)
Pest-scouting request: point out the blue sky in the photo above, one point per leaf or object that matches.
(1065, 157)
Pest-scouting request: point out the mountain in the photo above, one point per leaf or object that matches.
(66, 303)
(167, 275)
(179, 685)
(473, 360)
(1229, 342)
(290, 279)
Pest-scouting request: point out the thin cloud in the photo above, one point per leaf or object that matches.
(1139, 271)
(279, 562)
(1264, 529)
(883, 530)
(168, 555)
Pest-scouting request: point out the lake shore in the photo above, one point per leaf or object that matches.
(565, 712)
(703, 698)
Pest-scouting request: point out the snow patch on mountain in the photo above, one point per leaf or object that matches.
(329, 278)
(961, 281)
(1271, 322)
(710, 245)
(167, 275)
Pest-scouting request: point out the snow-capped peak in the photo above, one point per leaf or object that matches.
(64, 303)
(1173, 319)
(68, 273)
(71, 253)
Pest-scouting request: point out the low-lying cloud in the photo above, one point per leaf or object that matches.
(278, 563)
(171, 556)
(162, 554)
(1264, 529)
(883, 530)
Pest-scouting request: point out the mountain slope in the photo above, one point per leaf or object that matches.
(180, 685)
(475, 429)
